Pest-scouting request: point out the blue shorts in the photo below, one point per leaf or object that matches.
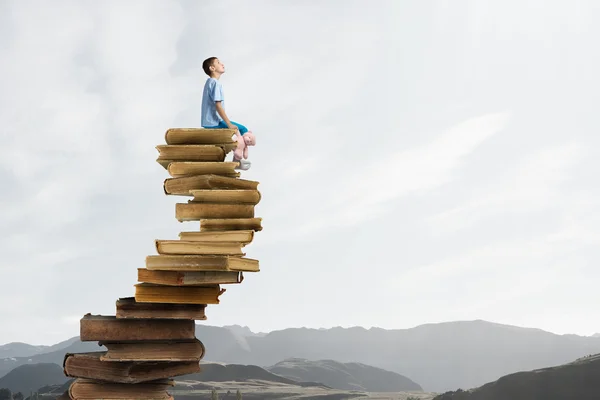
(223, 125)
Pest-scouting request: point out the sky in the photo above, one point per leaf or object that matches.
(419, 161)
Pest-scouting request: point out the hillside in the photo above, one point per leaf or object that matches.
(28, 378)
(215, 372)
(577, 380)
(56, 356)
(17, 349)
(440, 357)
(348, 376)
(242, 331)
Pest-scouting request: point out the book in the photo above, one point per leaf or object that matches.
(152, 293)
(90, 365)
(201, 263)
(170, 153)
(178, 169)
(182, 186)
(113, 329)
(230, 224)
(184, 350)
(183, 278)
(181, 247)
(199, 136)
(88, 389)
(198, 211)
(241, 236)
(127, 307)
(227, 196)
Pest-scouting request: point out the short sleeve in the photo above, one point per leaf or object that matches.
(216, 91)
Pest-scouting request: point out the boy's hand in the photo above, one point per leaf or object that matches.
(236, 129)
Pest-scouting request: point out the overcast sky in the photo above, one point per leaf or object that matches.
(419, 161)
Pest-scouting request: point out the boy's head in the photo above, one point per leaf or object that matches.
(213, 67)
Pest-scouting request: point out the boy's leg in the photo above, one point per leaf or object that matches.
(223, 125)
(243, 164)
(241, 128)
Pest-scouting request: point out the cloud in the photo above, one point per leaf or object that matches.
(532, 185)
(367, 191)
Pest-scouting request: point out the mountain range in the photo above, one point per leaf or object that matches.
(439, 357)
(18, 349)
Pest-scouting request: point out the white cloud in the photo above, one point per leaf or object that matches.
(531, 186)
(363, 193)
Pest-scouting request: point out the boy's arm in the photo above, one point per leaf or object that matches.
(221, 112)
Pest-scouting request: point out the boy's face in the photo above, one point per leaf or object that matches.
(218, 66)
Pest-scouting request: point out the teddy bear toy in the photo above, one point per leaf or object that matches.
(243, 142)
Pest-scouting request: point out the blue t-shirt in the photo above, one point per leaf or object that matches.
(213, 91)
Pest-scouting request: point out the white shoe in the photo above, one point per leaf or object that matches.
(243, 165)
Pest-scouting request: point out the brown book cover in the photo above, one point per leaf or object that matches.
(199, 136)
(110, 328)
(88, 389)
(182, 278)
(151, 293)
(182, 247)
(230, 224)
(90, 365)
(241, 236)
(127, 307)
(182, 186)
(197, 211)
(184, 350)
(226, 196)
(201, 263)
(178, 169)
(168, 153)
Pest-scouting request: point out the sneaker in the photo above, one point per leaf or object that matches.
(243, 165)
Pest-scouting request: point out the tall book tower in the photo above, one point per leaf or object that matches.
(151, 339)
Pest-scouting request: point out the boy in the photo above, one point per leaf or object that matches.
(213, 109)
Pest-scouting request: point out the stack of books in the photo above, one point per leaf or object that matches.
(151, 338)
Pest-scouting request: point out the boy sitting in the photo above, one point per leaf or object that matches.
(213, 109)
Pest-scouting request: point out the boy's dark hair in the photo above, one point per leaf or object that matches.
(207, 63)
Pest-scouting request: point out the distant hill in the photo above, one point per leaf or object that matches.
(56, 356)
(29, 378)
(596, 335)
(347, 376)
(439, 357)
(577, 380)
(215, 372)
(242, 331)
(18, 349)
